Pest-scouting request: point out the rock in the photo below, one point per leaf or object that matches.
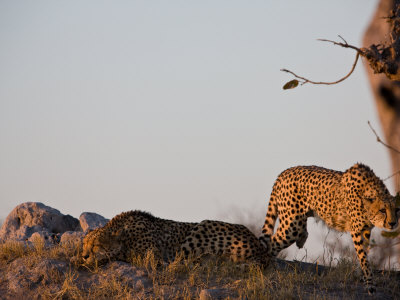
(71, 237)
(16, 278)
(129, 275)
(20, 277)
(89, 221)
(30, 217)
(45, 237)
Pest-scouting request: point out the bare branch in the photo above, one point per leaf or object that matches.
(305, 80)
(344, 45)
(378, 139)
(394, 174)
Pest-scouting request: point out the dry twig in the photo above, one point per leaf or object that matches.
(394, 174)
(305, 80)
(344, 44)
(379, 140)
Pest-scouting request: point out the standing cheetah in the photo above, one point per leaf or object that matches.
(353, 201)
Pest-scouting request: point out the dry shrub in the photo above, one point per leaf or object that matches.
(110, 289)
(11, 250)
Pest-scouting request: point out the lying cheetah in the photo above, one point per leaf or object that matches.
(354, 201)
(137, 232)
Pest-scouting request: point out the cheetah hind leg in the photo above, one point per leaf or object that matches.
(286, 235)
(303, 233)
(302, 239)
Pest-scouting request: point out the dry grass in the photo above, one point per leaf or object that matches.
(11, 250)
(184, 278)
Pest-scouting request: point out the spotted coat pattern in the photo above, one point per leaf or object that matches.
(231, 240)
(135, 232)
(352, 201)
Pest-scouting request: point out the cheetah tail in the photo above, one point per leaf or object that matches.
(270, 220)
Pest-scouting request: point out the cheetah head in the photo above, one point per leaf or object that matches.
(382, 213)
(101, 246)
(378, 205)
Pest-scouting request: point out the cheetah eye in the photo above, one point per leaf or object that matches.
(382, 210)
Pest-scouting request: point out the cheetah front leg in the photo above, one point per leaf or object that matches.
(361, 241)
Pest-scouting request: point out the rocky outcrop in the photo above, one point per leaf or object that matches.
(25, 279)
(30, 217)
(33, 220)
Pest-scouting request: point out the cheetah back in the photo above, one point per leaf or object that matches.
(219, 238)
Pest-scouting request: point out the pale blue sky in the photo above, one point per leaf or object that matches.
(176, 107)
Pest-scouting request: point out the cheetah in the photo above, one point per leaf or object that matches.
(137, 231)
(352, 201)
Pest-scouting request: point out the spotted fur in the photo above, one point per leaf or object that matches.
(231, 240)
(352, 201)
(135, 232)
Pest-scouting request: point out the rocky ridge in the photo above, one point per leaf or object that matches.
(31, 220)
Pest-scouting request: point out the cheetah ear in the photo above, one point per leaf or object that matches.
(397, 198)
(370, 200)
(118, 233)
(104, 239)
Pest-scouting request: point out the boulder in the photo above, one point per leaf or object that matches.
(71, 237)
(89, 221)
(30, 217)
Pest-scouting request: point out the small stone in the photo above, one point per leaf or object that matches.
(205, 295)
(44, 237)
(213, 294)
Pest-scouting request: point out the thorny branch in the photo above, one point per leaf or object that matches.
(379, 140)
